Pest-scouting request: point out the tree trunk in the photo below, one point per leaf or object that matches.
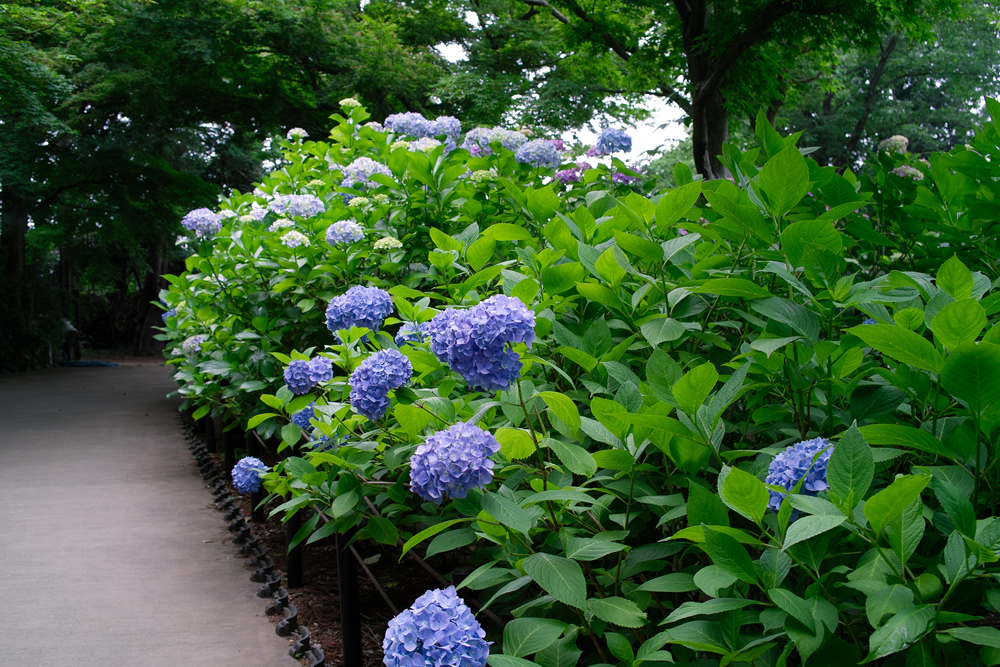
(13, 236)
(709, 131)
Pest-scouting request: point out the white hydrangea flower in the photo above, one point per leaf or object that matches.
(388, 243)
(296, 134)
(349, 103)
(294, 239)
(359, 201)
(278, 225)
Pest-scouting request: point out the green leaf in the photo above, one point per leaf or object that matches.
(481, 251)
(794, 606)
(429, 532)
(729, 555)
(905, 436)
(560, 577)
(576, 459)
(901, 345)
(639, 247)
(609, 267)
(562, 407)
(784, 181)
(959, 322)
(675, 204)
(983, 636)
(746, 494)
(505, 231)
(507, 512)
(799, 318)
(707, 608)
(412, 418)
(955, 279)
(887, 602)
(344, 503)
(851, 468)
(515, 443)
(618, 611)
(562, 277)
(909, 318)
(810, 526)
(738, 287)
(900, 631)
(695, 386)
(675, 582)
(661, 330)
(524, 636)
(704, 507)
(256, 420)
(799, 237)
(890, 502)
(972, 374)
(587, 548)
(501, 660)
(561, 653)
(383, 531)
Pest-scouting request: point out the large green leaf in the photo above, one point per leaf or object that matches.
(738, 287)
(901, 345)
(562, 407)
(900, 631)
(694, 387)
(972, 374)
(746, 494)
(890, 502)
(905, 436)
(984, 636)
(729, 555)
(810, 526)
(560, 577)
(675, 203)
(799, 237)
(851, 468)
(507, 512)
(959, 322)
(955, 279)
(524, 636)
(618, 611)
(799, 318)
(784, 181)
(707, 608)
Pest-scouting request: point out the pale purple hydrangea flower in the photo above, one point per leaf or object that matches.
(619, 177)
(256, 213)
(439, 630)
(558, 143)
(344, 232)
(227, 213)
(538, 152)
(301, 376)
(202, 222)
(446, 125)
(192, 346)
(796, 462)
(360, 172)
(410, 123)
(906, 171)
(294, 239)
(476, 342)
(359, 307)
(410, 332)
(478, 140)
(302, 205)
(302, 417)
(897, 143)
(612, 140)
(453, 462)
(246, 474)
(374, 378)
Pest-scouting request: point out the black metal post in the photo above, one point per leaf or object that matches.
(229, 439)
(294, 558)
(350, 605)
(209, 424)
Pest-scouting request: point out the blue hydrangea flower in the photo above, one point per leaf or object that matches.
(796, 462)
(410, 123)
(453, 462)
(192, 346)
(359, 307)
(227, 213)
(478, 140)
(302, 417)
(475, 342)
(301, 376)
(374, 378)
(344, 232)
(619, 177)
(438, 630)
(360, 172)
(202, 222)
(410, 332)
(246, 474)
(302, 205)
(170, 313)
(538, 152)
(612, 140)
(869, 320)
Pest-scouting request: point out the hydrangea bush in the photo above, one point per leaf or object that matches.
(730, 422)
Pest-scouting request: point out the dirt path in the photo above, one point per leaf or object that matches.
(111, 552)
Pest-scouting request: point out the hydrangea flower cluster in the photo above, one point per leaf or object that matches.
(619, 177)
(296, 134)
(475, 342)
(256, 213)
(294, 239)
(558, 143)
(303, 205)
(374, 125)
(388, 243)
(481, 175)
(202, 222)
(169, 313)
(478, 140)
(374, 378)
(796, 462)
(402, 143)
(349, 103)
(573, 174)
(278, 225)
(246, 474)
(411, 332)
(869, 320)
(897, 143)
(612, 140)
(344, 232)
(538, 152)
(417, 267)
(453, 462)
(359, 307)
(360, 172)
(192, 346)
(301, 376)
(410, 123)
(439, 629)
(425, 144)
(359, 201)
(302, 417)
(906, 171)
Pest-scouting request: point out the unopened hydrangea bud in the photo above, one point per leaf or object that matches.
(481, 175)
(315, 183)
(402, 143)
(246, 474)
(453, 462)
(344, 232)
(374, 378)
(359, 201)
(438, 630)
(796, 463)
(381, 198)
(425, 144)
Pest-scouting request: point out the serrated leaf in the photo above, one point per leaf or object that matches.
(900, 631)
(851, 468)
(729, 555)
(562, 407)
(507, 512)
(746, 494)
(560, 577)
(810, 526)
(524, 636)
(617, 611)
(890, 502)
(693, 388)
(901, 345)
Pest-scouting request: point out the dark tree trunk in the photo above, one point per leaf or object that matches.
(13, 236)
(709, 131)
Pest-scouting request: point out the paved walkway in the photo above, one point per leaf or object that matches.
(111, 552)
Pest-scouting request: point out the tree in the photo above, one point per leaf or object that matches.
(714, 59)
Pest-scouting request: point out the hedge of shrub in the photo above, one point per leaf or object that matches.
(746, 421)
